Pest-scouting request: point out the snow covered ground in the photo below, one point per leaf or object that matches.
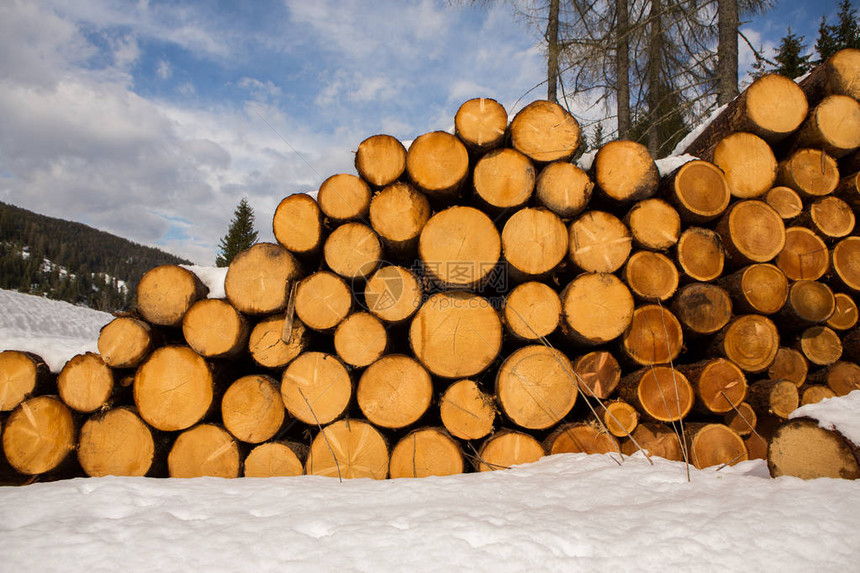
(563, 513)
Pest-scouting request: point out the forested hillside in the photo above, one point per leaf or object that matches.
(71, 261)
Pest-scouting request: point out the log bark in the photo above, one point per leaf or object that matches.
(204, 450)
(714, 445)
(838, 75)
(268, 347)
(596, 308)
(700, 254)
(846, 314)
(297, 224)
(392, 294)
(654, 336)
(750, 341)
(620, 418)
(809, 302)
(849, 188)
(426, 452)
(789, 364)
(719, 384)
(815, 393)
(811, 172)
(698, 190)
(174, 388)
(844, 260)
(545, 132)
(125, 342)
(252, 409)
(380, 160)
(323, 300)
(851, 342)
(801, 448)
(742, 419)
(116, 442)
(564, 189)
(773, 397)
(360, 339)
(748, 163)
(820, 345)
(344, 197)
(394, 392)
(166, 292)
(702, 308)
(316, 388)
(654, 224)
(348, 449)
(581, 437)
(467, 412)
(39, 435)
(258, 277)
(833, 126)
(660, 393)
(274, 459)
(657, 440)
(599, 242)
(508, 448)
(398, 213)
(597, 373)
(481, 123)
(353, 251)
(532, 311)
(456, 334)
(22, 375)
(504, 180)
(438, 164)
(536, 387)
(624, 171)
(751, 232)
(757, 289)
(215, 329)
(804, 256)
(785, 201)
(86, 383)
(534, 243)
(831, 218)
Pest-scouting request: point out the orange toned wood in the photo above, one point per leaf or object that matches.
(426, 452)
(748, 163)
(273, 459)
(459, 247)
(544, 131)
(849, 187)
(719, 384)
(830, 217)
(750, 341)
(751, 232)
(353, 251)
(801, 448)
(773, 397)
(816, 393)
(654, 224)
(842, 377)
(124, 342)
(348, 449)
(380, 160)
(832, 126)
(625, 172)
(789, 364)
(22, 374)
(846, 263)
(39, 435)
(532, 311)
(653, 337)
(581, 438)
(438, 164)
(742, 419)
(846, 313)
(698, 190)
(809, 302)
(394, 392)
(599, 242)
(481, 123)
(258, 277)
(504, 179)
(820, 345)
(204, 450)
(804, 256)
(714, 445)
(620, 418)
(700, 254)
(173, 389)
(467, 412)
(508, 448)
(810, 172)
(456, 334)
(116, 442)
(660, 393)
(756, 447)
(360, 339)
(702, 308)
(297, 224)
(316, 388)
(785, 201)
(344, 197)
(596, 308)
(838, 75)
(323, 300)
(657, 440)
(267, 346)
(564, 189)
(85, 383)
(215, 329)
(757, 289)
(534, 243)
(392, 294)
(398, 213)
(252, 409)
(166, 292)
(598, 374)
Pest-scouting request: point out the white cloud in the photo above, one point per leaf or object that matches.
(164, 70)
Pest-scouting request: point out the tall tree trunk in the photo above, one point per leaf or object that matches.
(654, 44)
(622, 70)
(727, 51)
(552, 51)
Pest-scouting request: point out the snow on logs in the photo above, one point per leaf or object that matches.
(477, 300)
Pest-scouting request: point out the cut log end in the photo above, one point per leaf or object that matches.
(599, 242)
(438, 164)
(267, 346)
(789, 364)
(653, 337)
(21, 374)
(750, 341)
(844, 259)
(625, 171)
(564, 189)
(581, 437)
(776, 106)
(297, 224)
(654, 224)
(532, 311)
(394, 392)
(316, 388)
(748, 163)
(785, 201)
(703, 308)
(715, 445)
(596, 308)
(534, 242)
(620, 418)
(392, 294)
(426, 452)
(759, 288)
(801, 448)
(117, 443)
(323, 300)
(810, 172)
(504, 179)
(257, 279)
(598, 374)
(508, 448)
(344, 197)
(353, 251)
(459, 247)
(124, 342)
(752, 232)
(820, 345)
(360, 340)
(215, 329)
(699, 191)
(39, 435)
(481, 124)
(252, 409)
(166, 292)
(467, 412)
(380, 160)
(742, 419)
(544, 131)
(348, 449)
(398, 213)
(204, 450)
(85, 383)
(700, 254)
(273, 459)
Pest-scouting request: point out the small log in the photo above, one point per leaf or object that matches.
(815, 393)
(215, 329)
(596, 308)
(698, 190)
(22, 375)
(660, 393)
(751, 232)
(504, 180)
(809, 302)
(757, 289)
(323, 300)
(273, 459)
(173, 389)
(86, 383)
(204, 450)
(564, 189)
(316, 388)
(116, 442)
(714, 445)
(702, 308)
(438, 164)
(536, 387)
(700, 254)
(820, 345)
(773, 397)
(742, 419)
(467, 412)
(426, 452)
(801, 448)
(804, 256)
(456, 334)
(624, 171)
(842, 377)
(398, 213)
(719, 384)
(267, 346)
(756, 447)
(532, 311)
(508, 448)
(654, 224)
(832, 126)
(348, 449)
(838, 75)
(534, 243)
(125, 342)
(392, 294)
(380, 160)
(39, 435)
(844, 260)
(654, 336)
(459, 247)
(785, 201)
(344, 197)
(545, 132)
(830, 217)
(297, 224)
(597, 373)
(810, 172)
(849, 187)
(620, 418)
(257, 279)
(252, 409)
(394, 392)
(599, 242)
(353, 251)
(789, 364)
(581, 438)
(481, 124)
(657, 440)
(748, 163)
(166, 292)
(846, 314)
(360, 339)
(750, 341)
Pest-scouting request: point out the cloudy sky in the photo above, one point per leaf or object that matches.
(151, 119)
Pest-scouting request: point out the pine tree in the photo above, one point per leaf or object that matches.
(826, 44)
(240, 235)
(846, 32)
(790, 59)
(597, 137)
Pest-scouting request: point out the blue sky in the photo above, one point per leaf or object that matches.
(152, 119)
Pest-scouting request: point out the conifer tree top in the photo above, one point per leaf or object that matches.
(240, 235)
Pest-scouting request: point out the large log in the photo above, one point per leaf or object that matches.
(125, 342)
(268, 346)
(532, 311)
(392, 294)
(323, 300)
(700, 254)
(702, 308)
(751, 232)
(581, 437)
(467, 412)
(316, 388)
(773, 397)
(344, 197)
(544, 132)
(830, 218)
(564, 189)
(597, 373)
(504, 180)
(657, 440)
(698, 190)
(22, 375)
(815, 393)
(750, 341)
(820, 345)
(809, 302)
(348, 449)
(360, 339)
(833, 126)
(624, 171)
(654, 224)
(353, 251)
(380, 160)
(599, 242)
(86, 383)
(273, 459)
(844, 260)
(204, 450)
(258, 277)
(166, 292)
(784, 201)
(252, 409)
(804, 256)
(596, 308)
(508, 448)
(39, 435)
(297, 224)
(838, 75)
(659, 392)
(215, 329)
(812, 173)
(748, 163)
(398, 213)
(654, 336)
(116, 442)
(801, 448)
(534, 243)
(394, 392)
(426, 452)
(757, 289)
(719, 384)
(714, 445)
(438, 164)
(481, 123)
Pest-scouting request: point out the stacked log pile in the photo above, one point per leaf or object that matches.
(478, 301)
